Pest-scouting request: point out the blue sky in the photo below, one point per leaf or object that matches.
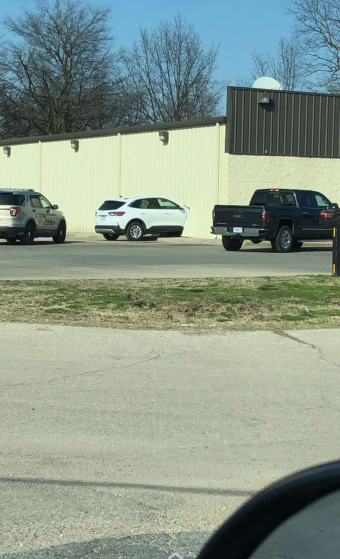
(238, 26)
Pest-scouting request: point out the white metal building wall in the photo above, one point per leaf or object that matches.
(189, 170)
(192, 169)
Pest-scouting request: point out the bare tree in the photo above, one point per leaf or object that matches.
(170, 75)
(243, 81)
(317, 28)
(286, 66)
(60, 73)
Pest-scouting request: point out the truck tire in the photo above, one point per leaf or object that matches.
(284, 240)
(232, 244)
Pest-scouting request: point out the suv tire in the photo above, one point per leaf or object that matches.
(232, 244)
(111, 237)
(284, 240)
(28, 237)
(135, 231)
(60, 236)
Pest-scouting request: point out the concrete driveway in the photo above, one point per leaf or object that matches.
(138, 444)
(91, 258)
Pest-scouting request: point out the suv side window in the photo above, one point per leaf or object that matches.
(45, 203)
(35, 202)
(321, 201)
(136, 204)
(164, 203)
(146, 204)
(153, 204)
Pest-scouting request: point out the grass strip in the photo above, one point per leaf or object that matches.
(186, 304)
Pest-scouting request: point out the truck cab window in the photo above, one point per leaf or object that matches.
(259, 198)
(274, 199)
(288, 199)
(321, 201)
(306, 200)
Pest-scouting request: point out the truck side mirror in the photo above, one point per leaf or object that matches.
(335, 206)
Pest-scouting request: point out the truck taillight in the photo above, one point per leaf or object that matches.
(14, 211)
(213, 215)
(265, 216)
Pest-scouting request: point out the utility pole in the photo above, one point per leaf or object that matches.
(331, 217)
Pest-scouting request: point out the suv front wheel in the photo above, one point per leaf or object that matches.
(61, 233)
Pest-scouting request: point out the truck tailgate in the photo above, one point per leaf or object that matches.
(244, 216)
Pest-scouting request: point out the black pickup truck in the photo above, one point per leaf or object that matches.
(284, 217)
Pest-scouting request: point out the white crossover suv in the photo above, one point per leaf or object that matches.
(139, 216)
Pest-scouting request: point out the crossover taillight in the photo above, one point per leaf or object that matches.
(14, 211)
(117, 214)
(213, 215)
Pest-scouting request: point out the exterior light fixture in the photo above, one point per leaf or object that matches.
(7, 151)
(264, 100)
(164, 136)
(75, 145)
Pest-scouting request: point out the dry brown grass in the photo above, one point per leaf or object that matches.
(204, 304)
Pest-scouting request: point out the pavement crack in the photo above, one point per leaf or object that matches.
(154, 358)
(322, 356)
(40, 382)
(283, 334)
(55, 379)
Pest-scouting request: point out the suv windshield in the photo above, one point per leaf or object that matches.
(9, 199)
(111, 205)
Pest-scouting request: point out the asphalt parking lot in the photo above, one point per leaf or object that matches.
(90, 258)
(136, 445)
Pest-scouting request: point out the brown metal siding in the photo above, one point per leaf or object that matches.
(294, 124)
